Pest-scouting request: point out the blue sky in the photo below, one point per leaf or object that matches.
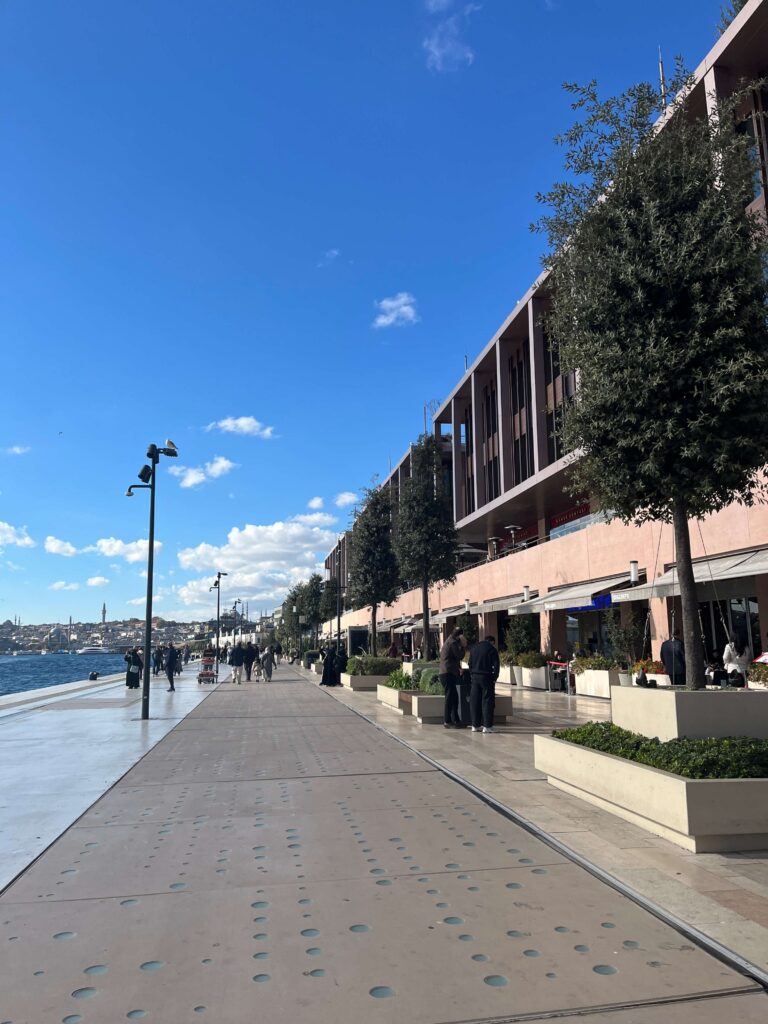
(269, 230)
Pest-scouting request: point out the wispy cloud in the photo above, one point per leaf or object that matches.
(15, 535)
(397, 311)
(142, 600)
(62, 585)
(315, 503)
(445, 47)
(345, 499)
(193, 476)
(131, 551)
(97, 581)
(54, 546)
(436, 6)
(328, 257)
(248, 426)
(315, 519)
(18, 449)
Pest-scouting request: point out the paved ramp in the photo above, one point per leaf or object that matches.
(278, 859)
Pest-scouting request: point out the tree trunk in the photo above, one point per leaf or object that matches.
(373, 629)
(425, 621)
(694, 655)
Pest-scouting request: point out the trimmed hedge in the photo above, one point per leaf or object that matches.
(594, 663)
(430, 682)
(398, 680)
(736, 757)
(419, 667)
(757, 672)
(367, 665)
(309, 657)
(532, 659)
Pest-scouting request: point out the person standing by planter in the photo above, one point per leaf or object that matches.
(673, 657)
(735, 661)
(328, 677)
(451, 654)
(484, 668)
(340, 664)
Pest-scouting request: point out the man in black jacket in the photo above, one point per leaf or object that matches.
(484, 669)
(171, 655)
(450, 673)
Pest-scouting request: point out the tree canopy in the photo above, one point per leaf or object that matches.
(658, 302)
(373, 574)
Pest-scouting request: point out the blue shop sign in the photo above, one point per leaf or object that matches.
(598, 602)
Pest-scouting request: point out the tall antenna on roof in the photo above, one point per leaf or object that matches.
(662, 80)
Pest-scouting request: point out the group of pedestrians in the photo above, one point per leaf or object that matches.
(334, 663)
(169, 659)
(470, 694)
(250, 657)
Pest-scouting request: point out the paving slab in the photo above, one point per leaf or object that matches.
(342, 896)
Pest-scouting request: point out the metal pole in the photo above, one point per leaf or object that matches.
(338, 599)
(150, 571)
(218, 620)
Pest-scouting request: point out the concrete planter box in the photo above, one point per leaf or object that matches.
(626, 679)
(671, 713)
(535, 678)
(398, 700)
(428, 708)
(701, 815)
(660, 680)
(596, 682)
(361, 682)
(511, 675)
(408, 668)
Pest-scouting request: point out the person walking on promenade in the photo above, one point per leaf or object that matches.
(268, 663)
(157, 659)
(278, 652)
(249, 656)
(186, 654)
(135, 666)
(238, 660)
(484, 669)
(673, 657)
(328, 677)
(392, 651)
(451, 654)
(171, 657)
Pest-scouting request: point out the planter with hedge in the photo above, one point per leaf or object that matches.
(366, 672)
(397, 691)
(673, 712)
(654, 670)
(595, 675)
(707, 795)
(533, 669)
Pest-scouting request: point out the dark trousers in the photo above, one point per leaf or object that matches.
(248, 669)
(482, 701)
(169, 674)
(451, 707)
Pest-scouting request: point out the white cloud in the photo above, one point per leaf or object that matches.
(54, 546)
(328, 257)
(345, 499)
(445, 48)
(15, 535)
(396, 311)
(263, 562)
(219, 467)
(131, 551)
(433, 6)
(193, 476)
(190, 476)
(315, 519)
(143, 600)
(315, 503)
(247, 425)
(18, 449)
(61, 585)
(97, 581)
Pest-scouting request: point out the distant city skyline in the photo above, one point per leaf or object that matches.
(272, 236)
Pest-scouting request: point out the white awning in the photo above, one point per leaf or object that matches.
(499, 604)
(445, 614)
(707, 570)
(580, 595)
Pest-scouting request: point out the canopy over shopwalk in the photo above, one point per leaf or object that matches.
(706, 570)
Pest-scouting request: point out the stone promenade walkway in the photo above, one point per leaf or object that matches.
(276, 858)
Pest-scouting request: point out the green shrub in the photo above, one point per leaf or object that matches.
(531, 659)
(523, 634)
(430, 682)
(309, 657)
(367, 665)
(736, 757)
(757, 672)
(419, 667)
(398, 680)
(595, 663)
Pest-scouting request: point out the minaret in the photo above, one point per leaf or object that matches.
(104, 613)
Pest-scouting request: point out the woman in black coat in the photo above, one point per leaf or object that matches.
(329, 668)
(133, 672)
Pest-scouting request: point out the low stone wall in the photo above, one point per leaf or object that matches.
(428, 708)
(701, 815)
(596, 683)
(361, 682)
(399, 700)
(670, 713)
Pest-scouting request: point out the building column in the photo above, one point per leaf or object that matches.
(717, 85)
(459, 476)
(504, 414)
(477, 428)
(553, 632)
(537, 412)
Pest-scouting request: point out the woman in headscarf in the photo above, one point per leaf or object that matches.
(133, 671)
(329, 668)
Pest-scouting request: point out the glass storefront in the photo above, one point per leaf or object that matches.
(737, 615)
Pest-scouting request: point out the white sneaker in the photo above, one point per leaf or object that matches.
(486, 729)
(476, 728)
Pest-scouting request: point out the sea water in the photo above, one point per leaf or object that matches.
(35, 671)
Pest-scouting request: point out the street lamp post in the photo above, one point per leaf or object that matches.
(338, 597)
(217, 587)
(147, 475)
(298, 635)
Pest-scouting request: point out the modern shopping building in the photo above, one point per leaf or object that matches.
(528, 548)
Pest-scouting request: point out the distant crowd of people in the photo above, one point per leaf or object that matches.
(168, 658)
(256, 661)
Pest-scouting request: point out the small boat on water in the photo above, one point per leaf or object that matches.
(96, 649)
